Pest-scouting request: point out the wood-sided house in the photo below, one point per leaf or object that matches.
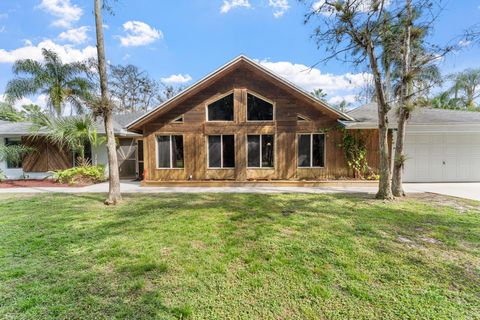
(244, 123)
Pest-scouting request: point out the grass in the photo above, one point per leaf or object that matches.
(233, 256)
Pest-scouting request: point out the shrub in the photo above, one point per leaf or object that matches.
(2, 176)
(81, 175)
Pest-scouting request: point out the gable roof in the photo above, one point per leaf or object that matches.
(366, 117)
(225, 68)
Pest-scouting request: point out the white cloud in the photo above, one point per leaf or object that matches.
(338, 87)
(40, 100)
(362, 5)
(66, 13)
(464, 43)
(349, 98)
(311, 79)
(3, 16)
(279, 6)
(230, 4)
(177, 79)
(29, 51)
(139, 34)
(77, 36)
(2, 29)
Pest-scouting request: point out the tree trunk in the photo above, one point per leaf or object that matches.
(114, 195)
(404, 112)
(385, 181)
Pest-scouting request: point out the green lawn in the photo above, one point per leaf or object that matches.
(227, 256)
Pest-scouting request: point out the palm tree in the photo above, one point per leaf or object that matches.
(467, 83)
(71, 132)
(62, 83)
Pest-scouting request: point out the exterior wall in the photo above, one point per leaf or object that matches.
(100, 152)
(285, 128)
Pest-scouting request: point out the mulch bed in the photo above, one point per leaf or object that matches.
(30, 183)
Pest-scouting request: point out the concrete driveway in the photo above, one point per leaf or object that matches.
(460, 190)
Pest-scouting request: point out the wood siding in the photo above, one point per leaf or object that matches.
(285, 129)
(46, 157)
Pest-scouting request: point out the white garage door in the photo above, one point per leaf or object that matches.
(442, 157)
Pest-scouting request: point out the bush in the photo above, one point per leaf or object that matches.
(81, 175)
(2, 176)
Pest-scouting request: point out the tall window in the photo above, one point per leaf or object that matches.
(260, 151)
(170, 151)
(258, 109)
(221, 110)
(13, 164)
(221, 151)
(311, 150)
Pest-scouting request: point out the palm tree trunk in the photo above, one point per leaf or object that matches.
(114, 195)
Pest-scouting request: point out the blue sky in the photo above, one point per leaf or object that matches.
(181, 41)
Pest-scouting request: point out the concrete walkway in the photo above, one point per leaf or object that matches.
(461, 190)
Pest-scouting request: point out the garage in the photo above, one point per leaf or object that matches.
(442, 157)
(440, 145)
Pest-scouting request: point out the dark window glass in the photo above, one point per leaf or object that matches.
(318, 152)
(267, 151)
(221, 110)
(163, 148)
(260, 151)
(177, 152)
(304, 150)
(253, 151)
(228, 151)
(13, 164)
(215, 151)
(258, 109)
(140, 150)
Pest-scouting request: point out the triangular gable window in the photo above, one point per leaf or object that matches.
(178, 119)
(301, 118)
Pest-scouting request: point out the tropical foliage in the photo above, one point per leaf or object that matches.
(463, 93)
(62, 83)
(14, 153)
(86, 174)
(27, 112)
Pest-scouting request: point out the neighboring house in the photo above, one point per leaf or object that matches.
(48, 157)
(440, 145)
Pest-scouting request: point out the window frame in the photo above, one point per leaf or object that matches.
(207, 144)
(262, 98)
(170, 151)
(18, 142)
(311, 150)
(260, 155)
(214, 99)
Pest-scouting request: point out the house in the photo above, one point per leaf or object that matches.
(49, 157)
(244, 123)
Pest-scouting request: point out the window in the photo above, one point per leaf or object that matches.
(311, 150)
(170, 151)
(221, 151)
(258, 109)
(13, 164)
(221, 110)
(178, 119)
(260, 151)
